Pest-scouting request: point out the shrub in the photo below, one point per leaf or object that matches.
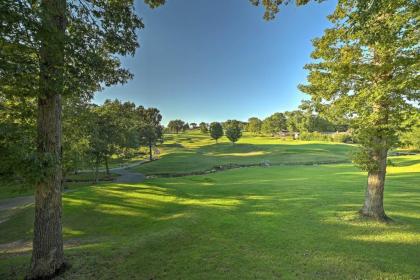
(317, 136)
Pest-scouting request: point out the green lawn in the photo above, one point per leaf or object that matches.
(195, 152)
(13, 188)
(279, 222)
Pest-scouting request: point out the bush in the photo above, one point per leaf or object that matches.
(342, 138)
(314, 136)
(317, 136)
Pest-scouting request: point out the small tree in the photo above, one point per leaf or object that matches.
(216, 130)
(204, 128)
(150, 130)
(233, 130)
(150, 135)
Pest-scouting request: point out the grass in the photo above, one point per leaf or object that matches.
(278, 222)
(115, 161)
(195, 152)
(10, 187)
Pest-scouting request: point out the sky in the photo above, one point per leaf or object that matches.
(213, 60)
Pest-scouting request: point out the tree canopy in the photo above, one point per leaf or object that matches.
(233, 130)
(216, 130)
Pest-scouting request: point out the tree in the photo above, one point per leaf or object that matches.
(297, 121)
(233, 130)
(366, 70)
(150, 135)
(118, 128)
(176, 126)
(193, 125)
(274, 124)
(50, 49)
(76, 137)
(185, 127)
(204, 128)
(150, 130)
(216, 130)
(254, 125)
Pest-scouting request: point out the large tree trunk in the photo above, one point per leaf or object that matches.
(374, 195)
(47, 255)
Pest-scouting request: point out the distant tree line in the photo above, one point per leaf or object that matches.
(302, 120)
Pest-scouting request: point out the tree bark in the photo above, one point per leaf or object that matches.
(374, 195)
(150, 152)
(107, 166)
(96, 180)
(47, 254)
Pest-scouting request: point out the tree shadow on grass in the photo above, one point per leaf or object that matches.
(267, 226)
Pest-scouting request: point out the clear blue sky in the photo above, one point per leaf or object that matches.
(213, 60)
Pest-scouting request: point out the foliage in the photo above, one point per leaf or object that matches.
(204, 128)
(193, 125)
(176, 126)
(366, 71)
(233, 130)
(328, 137)
(254, 125)
(185, 127)
(17, 135)
(274, 124)
(216, 130)
(272, 7)
(411, 139)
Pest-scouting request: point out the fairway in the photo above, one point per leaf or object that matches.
(279, 222)
(265, 139)
(194, 152)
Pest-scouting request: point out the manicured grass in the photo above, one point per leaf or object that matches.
(193, 152)
(279, 222)
(13, 188)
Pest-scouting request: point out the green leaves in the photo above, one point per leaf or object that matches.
(233, 130)
(364, 70)
(254, 125)
(272, 7)
(97, 33)
(216, 130)
(176, 126)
